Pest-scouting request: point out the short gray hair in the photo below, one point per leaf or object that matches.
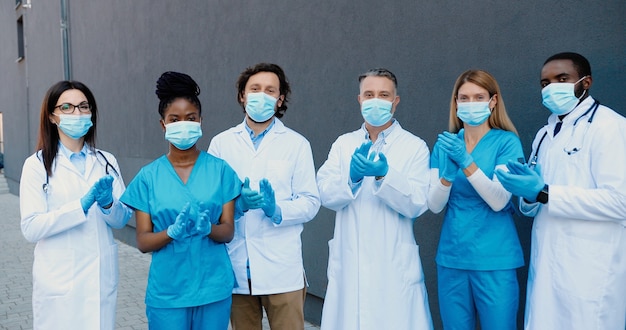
(379, 72)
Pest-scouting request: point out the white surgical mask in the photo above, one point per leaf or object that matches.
(183, 134)
(560, 98)
(473, 113)
(376, 112)
(75, 126)
(260, 106)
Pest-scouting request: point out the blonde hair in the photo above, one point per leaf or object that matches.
(499, 117)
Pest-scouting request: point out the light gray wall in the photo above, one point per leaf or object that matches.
(119, 49)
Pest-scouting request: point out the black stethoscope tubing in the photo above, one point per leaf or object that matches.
(593, 109)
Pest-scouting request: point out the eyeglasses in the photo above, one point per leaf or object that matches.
(68, 108)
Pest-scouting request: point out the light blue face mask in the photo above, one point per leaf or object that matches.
(560, 98)
(183, 134)
(473, 113)
(376, 112)
(260, 107)
(75, 126)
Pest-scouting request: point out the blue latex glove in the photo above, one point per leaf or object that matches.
(521, 180)
(89, 198)
(249, 199)
(104, 195)
(376, 168)
(203, 224)
(269, 200)
(448, 169)
(455, 148)
(178, 229)
(357, 165)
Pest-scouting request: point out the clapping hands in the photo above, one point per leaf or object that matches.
(193, 221)
(454, 147)
(362, 165)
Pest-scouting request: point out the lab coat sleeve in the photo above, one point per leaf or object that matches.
(407, 191)
(438, 194)
(118, 214)
(37, 222)
(333, 178)
(607, 200)
(305, 200)
(529, 209)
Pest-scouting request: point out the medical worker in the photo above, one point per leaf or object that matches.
(479, 249)
(575, 187)
(184, 203)
(279, 195)
(376, 179)
(69, 194)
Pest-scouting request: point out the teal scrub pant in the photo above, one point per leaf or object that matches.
(493, 295)
(213, 316)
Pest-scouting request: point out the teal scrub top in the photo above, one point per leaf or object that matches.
(473, 236)
(196, 270)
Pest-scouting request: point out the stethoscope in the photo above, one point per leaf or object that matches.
(46, 185)
(569, 151)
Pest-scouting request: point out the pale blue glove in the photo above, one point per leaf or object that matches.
(269, 200)
(521, 180)
(203, 224)
(104, 195)
(249, 199)
(455, 148)
(357, 164)
(178, 229)
(89, 198)
(377, 168)
(448, 169)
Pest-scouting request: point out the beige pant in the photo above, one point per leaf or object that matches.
(285, 311)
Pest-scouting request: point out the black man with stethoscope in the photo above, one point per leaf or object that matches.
(575, 187)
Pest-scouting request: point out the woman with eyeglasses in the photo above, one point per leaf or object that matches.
(69, 201)
(479, 249)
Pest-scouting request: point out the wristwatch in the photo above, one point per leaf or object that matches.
(542, 197)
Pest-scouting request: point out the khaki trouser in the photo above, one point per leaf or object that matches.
(285, 311)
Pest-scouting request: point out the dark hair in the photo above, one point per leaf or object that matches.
(581, 64)
(284, 88)
(380, 72)
(172, 85)
(48, 141)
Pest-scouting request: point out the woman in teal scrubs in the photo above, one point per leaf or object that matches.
(479, 249)
(184, 203)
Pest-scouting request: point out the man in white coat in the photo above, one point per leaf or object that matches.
(577, 194)
(376, 179)
(279, 195)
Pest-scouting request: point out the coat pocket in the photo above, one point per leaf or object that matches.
(53, 272)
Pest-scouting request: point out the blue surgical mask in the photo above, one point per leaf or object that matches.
(376, 112)
(260, 107)
(473, 113)
(183, 134)
(75, 126)
(560, 98)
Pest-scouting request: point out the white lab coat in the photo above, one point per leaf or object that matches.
(284, 157)
(75, 270)
(577, 275)
(375, 277)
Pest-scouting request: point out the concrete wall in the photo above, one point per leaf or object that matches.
(119, 49)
